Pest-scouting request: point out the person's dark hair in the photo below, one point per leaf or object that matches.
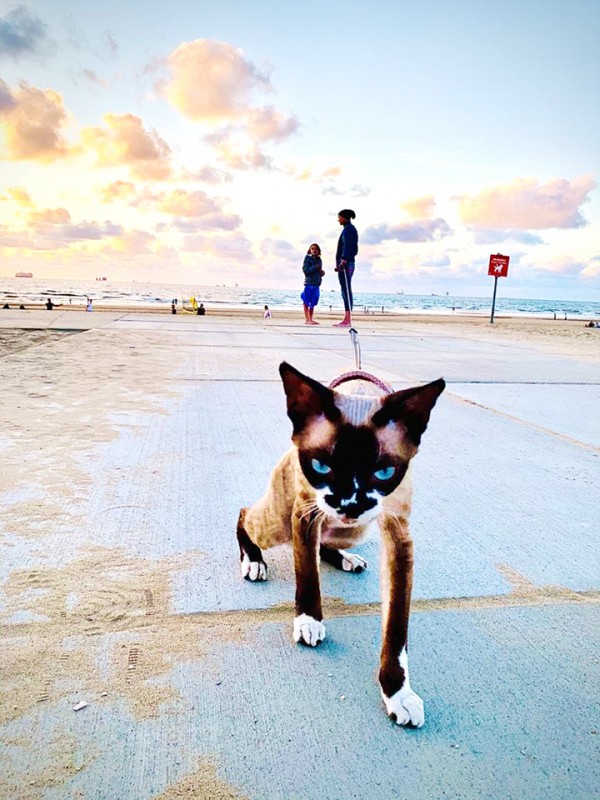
(314, 244)
(347, 213)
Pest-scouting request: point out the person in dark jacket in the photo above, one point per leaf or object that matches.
(313, 274)
(345, 255)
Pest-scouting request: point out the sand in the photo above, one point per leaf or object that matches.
(93, 622)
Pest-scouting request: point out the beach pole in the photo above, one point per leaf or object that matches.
(494, 299)
(498, 268)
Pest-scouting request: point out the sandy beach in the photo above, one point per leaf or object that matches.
(569, 337)
(127, 449)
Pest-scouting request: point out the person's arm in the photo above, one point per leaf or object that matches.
(349, 244)
(310, 265)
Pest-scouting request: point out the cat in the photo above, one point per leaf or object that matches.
(349, 467)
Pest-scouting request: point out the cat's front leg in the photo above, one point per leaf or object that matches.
(253, 565)
(402, 704)
(308, 622)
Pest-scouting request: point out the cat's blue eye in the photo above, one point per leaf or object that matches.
(320, 467)
(385, 473)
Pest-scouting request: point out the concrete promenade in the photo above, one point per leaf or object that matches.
(129, 443)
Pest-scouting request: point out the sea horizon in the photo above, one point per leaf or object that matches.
(148, 294)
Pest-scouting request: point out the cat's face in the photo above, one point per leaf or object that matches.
(354, 466)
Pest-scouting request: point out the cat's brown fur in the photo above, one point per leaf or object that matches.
(355, 436)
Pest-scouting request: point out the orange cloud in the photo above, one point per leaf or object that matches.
(187, 204)
(20, 196)
(134, 242)
(527, 204)
(117, 190)
(419, 207)
(124, 140)
(211, 80)
(32, 121)
(237, 152)
(50, 216)
(265, 124)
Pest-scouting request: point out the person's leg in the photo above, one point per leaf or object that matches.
(349, 274)
(344, 286)
(316, 296)
(306, 315)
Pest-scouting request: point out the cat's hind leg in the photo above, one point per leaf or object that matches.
(342, 559)
(253, 564)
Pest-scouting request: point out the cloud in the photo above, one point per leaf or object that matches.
(93, 78)
(278, 248)
(354, 191)
(236, 246)
(52, 229)
(50, 216)
(22, 33)
(109, 44)
(419, 207)
(420, 231)
(527, 204)
(134, 242)
(489, 236)
(214, 83)
(207, 222)
(7, 101)
(81, 231)
(31, 120)
(187, 204)
(124, 140)
(206, 174)
(443, 261)
(238, 153)
(117, 190)
(228, 222)
(267, 124)
(211, 80)
(20, 196)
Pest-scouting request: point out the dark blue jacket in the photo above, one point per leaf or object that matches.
(347, 246)
(312, 270)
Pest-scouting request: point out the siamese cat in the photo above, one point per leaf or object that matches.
(350, 466)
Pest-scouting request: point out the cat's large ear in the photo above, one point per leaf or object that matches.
(411, 408)
(306, 397)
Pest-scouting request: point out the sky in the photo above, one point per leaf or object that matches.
(211, 142)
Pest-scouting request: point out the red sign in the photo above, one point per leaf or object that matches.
(498, 266)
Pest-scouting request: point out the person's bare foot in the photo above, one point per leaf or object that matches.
(313, 322)
(341, 324)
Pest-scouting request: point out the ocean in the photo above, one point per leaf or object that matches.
(15, 291)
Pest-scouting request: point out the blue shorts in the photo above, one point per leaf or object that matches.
(310, 296)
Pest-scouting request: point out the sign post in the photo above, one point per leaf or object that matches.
(498, 267)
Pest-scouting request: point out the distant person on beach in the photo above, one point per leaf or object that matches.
(313, 275)
(50, 305)
(201, 310)
(173, 309)
(267, 314)
(345, 255)
(22, 307)
(6, 305)
(89, 306)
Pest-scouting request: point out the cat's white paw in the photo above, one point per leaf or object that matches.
(308, 630)
(353, 563)
(406, 707)
(253, 570)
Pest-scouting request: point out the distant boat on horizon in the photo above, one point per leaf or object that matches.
(23, 274)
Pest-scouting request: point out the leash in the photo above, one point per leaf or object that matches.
(359, 375)
(353, 332)
(356, 344)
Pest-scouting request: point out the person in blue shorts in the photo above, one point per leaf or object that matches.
(313, 275)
